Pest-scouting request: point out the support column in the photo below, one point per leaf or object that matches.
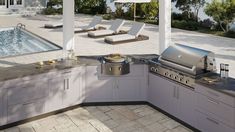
(68, 25)
(164, 24)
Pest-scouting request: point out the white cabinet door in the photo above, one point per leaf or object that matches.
(175, 99)
(56, 90)
(160, 93)
(98, 88)
(128, 89)
(73, 84)
(187, 104)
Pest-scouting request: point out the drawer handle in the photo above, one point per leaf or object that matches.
(212, 120)
(212, 101)
(212, 93)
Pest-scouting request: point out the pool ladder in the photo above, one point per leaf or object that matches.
(20, 25)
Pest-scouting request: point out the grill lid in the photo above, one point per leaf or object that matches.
(185, 58)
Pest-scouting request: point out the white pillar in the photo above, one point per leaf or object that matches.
(164, 24)
(68, 25)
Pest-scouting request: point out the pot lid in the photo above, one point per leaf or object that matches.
(115, 58)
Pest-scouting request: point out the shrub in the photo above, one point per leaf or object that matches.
(155, 22)
(52, 11)
(119, 13)
(188, 16)
(176, 16)
(108, 16)
(230, 34)
(207, 23)
(90, 6)
(150, 10)
(187, 25)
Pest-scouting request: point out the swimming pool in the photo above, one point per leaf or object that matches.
(17, 41)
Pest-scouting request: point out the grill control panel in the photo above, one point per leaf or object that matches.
(172, 74)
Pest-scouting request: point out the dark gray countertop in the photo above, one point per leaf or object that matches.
(226, 86)
(31, 69)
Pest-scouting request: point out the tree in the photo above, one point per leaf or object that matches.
(151, 9)
(223, 12)
(183, 5)
(187, 5)
(197, 5)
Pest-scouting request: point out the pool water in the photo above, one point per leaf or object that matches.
(16, 41)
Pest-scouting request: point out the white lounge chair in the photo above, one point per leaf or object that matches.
(132, 34)
(92, 26)
(57, 24)
(114, 29)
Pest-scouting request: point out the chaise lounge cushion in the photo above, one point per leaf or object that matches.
(83, 28)
(122, 37)
(114, 29)
(100, 33)
(132, 34)
(54, 24)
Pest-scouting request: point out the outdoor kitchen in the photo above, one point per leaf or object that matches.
(182, 82)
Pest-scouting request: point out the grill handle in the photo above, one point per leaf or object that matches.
(177, 66)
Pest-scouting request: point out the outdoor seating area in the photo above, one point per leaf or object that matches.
(113, 34)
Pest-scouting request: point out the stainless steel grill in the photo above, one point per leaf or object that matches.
(183, 63)
(187, 59)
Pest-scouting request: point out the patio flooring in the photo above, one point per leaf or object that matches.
(128, 118)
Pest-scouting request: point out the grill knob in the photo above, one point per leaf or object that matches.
(166, 73)
(152, 68)
(176, 77)
(187, 81)
(171, 75)
(181, 79)
(156, 70)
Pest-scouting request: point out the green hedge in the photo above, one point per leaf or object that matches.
(230, 34)
(52, 11)
(187, 25)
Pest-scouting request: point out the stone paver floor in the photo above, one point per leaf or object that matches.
(128, 118)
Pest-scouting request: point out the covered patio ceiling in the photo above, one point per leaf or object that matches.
(164, 25)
